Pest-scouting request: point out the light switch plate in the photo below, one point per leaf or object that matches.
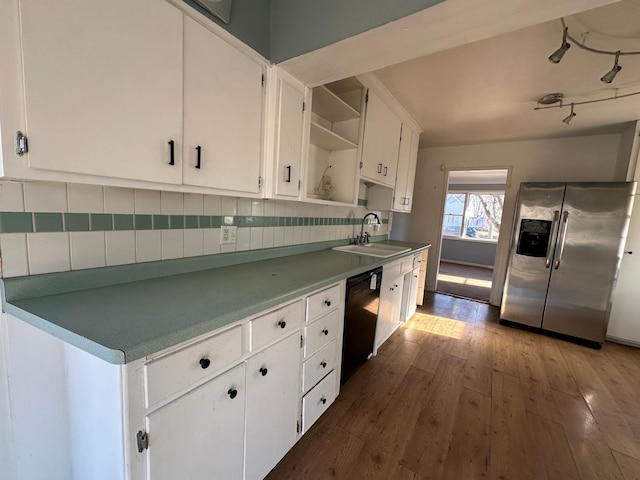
(227, 234)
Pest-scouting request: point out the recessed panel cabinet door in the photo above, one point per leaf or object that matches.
(223, 98)
(200, 435)
(103, 87)
(289, 139)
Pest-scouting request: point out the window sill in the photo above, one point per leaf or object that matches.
(465, 239)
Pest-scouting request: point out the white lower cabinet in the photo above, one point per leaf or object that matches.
(390, 304)
(273, 385)
(316, 402)
(201, 434)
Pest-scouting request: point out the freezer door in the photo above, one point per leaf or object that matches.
(594, 224)
(537, 214)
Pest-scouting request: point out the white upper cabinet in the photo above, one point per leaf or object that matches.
(405, 177)
(223, 99)
(103, 87)
(381, 142)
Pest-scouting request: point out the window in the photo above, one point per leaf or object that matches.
(473, 215)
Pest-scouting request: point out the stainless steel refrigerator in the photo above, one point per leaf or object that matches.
(565, 253)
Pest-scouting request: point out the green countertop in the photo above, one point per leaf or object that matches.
(127, 321)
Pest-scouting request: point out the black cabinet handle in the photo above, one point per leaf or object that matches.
(379, 168)
(204, 363)
(385, 172)
(323, 364)
(325, 331)
(171, 152)
(327, 303)
(233, 393)
(198, 154)
(288, 177)
(264, 371)
(323, 400)
(282, 324)
(630, 252)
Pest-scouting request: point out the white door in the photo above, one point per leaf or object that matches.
(289, 151)
(200, 435)
(389, 309)
(381, 142)
(223, 97)
(103, 87)
(273, 402)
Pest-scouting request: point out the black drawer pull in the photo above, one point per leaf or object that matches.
(233, 393)
(282, 324)
(171, 152)
(379, 168)
(204, 363)
(327, 303)
(288, 177)
(385, 172)
(264, 371)
(323, 400)
(325, 331)
(323, 364)
(198, 154)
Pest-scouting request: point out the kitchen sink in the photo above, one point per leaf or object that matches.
(373, 250)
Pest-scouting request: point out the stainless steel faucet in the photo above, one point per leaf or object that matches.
(364, 236)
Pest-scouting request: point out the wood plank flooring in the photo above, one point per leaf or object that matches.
(453, 395)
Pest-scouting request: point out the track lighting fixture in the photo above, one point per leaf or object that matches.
(569, 117)
(556, 56)
(611, 74)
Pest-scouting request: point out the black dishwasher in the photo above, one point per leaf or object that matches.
(360, 318)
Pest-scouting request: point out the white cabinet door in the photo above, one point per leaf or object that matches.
(103, 87)
(288, 149)
(381, 142)
(200, 435)
(273, 400)
(223, 98)
(405, 178)
(390, 306)
(413, 293)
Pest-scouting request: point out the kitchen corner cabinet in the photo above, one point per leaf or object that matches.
(381, 142)
(405, 178)
(102, 100)
(223, 104)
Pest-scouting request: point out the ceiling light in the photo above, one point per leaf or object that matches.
(556, 56)
(550, 99)
(611, 74)
(569, 117)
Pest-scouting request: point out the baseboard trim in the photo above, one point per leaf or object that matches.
(468, 264)
(623, 341)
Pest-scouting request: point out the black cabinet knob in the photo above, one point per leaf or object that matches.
(325, 331)
(205, 362)
(323, 400)
(282, 324)
(264, 371)
(233, 393)
(630, 253)
(323, 364)
(327, 303)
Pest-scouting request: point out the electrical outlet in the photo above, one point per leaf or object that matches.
(227, 234)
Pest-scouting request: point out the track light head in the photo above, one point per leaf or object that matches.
(611, 74)
(569, 117)
(556, 56)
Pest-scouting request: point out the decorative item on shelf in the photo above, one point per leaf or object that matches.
(324, 187)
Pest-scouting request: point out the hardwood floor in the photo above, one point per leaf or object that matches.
(465, 281)
(454, 395)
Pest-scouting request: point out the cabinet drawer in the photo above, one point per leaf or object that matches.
(417, 260)
(174, 372)
(275, 324)
(322, 302)
(321, 332)
(316, 402)
(392, 269)
(318, 365)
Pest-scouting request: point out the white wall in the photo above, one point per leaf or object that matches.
(589, 158)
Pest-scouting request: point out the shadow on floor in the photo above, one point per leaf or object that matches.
(465, 281)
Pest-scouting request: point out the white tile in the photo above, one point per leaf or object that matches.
(171, 203)
(297, 235)
(288, 236)
(147, 201)
(243, 239)
(193, 242)
(15, 261)
(193, 204)
(244, 206)
(212, 205)
(148, 245)
(228, 206)
(48, 252)
(121, 248)
(306, 234)
(118, 200)
(291, 209)
(87, 250)
(228, 248)
(267, 237)
(45, 197)
(85, 198)
(278, 236)
(172, 244)
(211, 241)
(257, 208)
(11, 197)
(256, 238)
(281, 208)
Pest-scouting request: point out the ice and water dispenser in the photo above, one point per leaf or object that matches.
(534, 237)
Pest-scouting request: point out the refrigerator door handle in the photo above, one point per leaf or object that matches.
(563, 236)
(552, 241)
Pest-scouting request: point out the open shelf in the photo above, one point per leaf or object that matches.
(324, 138)
(331, 107)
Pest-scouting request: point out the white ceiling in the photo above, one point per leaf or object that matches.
(487, 90)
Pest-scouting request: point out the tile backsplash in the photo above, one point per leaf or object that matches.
(52, 227)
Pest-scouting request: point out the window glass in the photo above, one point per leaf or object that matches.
(479, 213)
(453, 214)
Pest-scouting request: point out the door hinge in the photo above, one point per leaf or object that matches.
(299, 184)
(259, 181)
(366, 97)
(22, 146)
(262, 80)
(304, 106)
(361, 164)
(298, 426)
(301, 341)
(143, 441)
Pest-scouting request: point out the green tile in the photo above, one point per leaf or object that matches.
(306, 221)
(101, 221)
(281, 221)
(258, 221)
(48, 222)
(244, 221)
(143, 222)
(205, 221)
(16, 222)
(191, 221)
(161, 222)
(176, 221)
(76, 222)
(362, 202)
(122, 221)
(216, 221)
